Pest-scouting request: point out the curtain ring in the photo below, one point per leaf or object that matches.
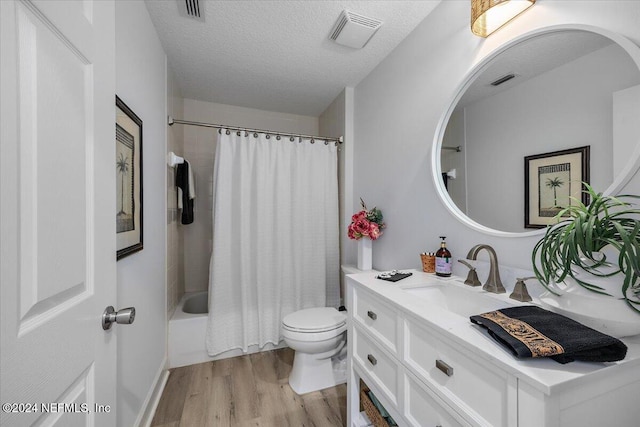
(268, 136)
(220, 131)
(238, 133)
(228, 132)
(313, 141)
(246, 134)
(291, 139)
(255, 134)
(278, 137)
(326, 142)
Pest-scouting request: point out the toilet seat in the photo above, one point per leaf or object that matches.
(311, 337)
(314, 320)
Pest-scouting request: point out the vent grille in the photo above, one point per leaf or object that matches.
(503, 79)
(191, 9)
(363, 20)
(342, 21)
(354, 30)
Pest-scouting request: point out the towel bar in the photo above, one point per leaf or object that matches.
(173, 160)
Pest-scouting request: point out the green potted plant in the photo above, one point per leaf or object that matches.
(591, 245)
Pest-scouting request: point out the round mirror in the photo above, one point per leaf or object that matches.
(534, 120)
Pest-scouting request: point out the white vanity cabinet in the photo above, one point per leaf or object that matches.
(431, 369)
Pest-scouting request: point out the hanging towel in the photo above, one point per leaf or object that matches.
(530, 331)
(186, 191)
(192, 182)
(192, 186)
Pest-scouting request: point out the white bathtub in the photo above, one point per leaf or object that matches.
(187, 331)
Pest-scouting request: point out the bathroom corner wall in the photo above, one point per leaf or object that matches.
(175, 234)
(199, 149)
(337, 120)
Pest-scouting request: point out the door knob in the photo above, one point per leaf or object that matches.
(125, 316)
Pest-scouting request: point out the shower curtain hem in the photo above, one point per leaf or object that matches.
(245, 350)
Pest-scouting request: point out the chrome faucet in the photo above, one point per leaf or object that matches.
(493, 284)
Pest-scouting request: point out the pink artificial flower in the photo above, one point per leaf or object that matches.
(351, 232)
(374, 231)
(358, 216)
(362, 226)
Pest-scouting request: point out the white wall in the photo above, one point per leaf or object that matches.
(175, 235)
(199, 149)
(398, 107)
(337, 120)
(626, 126)
(141, 84)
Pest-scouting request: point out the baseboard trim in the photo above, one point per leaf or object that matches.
(153, 398)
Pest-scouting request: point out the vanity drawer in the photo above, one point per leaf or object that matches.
(380, 367)
(379, 319)
(471, 386)
(423, 408)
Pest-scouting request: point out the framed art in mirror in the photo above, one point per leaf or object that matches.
(128, 180)
(551, 183)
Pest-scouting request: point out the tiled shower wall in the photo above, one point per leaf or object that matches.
(175, 231)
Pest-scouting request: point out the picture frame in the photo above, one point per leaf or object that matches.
(128, 141)
(550, 180)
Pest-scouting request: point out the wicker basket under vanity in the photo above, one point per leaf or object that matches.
(370, 409)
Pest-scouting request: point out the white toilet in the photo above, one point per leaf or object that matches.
(319, 338)
(316, 335)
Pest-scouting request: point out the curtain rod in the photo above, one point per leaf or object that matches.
(171, 121)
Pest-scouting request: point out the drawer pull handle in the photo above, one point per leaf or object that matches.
(372, 359)
(372, 315)
(448, 370)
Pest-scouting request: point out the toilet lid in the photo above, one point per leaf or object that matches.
(314, 319)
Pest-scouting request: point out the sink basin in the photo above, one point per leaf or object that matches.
(458, 299)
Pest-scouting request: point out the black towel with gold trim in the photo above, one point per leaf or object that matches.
(530, 331)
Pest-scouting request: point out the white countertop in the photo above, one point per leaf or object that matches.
(545, 374)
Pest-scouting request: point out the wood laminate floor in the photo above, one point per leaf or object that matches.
(251, 390)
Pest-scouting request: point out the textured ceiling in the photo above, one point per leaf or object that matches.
(276, 55)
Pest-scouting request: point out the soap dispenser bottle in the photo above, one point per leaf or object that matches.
(443, 260)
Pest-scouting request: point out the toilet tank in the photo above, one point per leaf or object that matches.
(348, 269)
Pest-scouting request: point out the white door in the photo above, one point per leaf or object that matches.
(57, 195)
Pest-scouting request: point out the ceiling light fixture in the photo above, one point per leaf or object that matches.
(489, 15)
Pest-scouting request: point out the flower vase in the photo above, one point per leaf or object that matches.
(365, 254)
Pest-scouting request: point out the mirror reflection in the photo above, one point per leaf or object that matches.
(556, 91)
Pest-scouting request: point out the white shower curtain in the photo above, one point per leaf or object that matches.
(275, 236)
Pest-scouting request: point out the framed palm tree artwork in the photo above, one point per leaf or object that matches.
(128, 180)
(553, 181)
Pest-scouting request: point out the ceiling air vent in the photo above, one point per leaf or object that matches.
(354, 30)
(192, 9)
(503, 79)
